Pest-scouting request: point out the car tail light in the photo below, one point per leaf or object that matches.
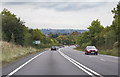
(88, 50)
(96, 51)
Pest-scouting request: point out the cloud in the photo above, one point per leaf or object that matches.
(60, 6)
(14, 3)
(60, 1)
(77, 6)
(62, 15)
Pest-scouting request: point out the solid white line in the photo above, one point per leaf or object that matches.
(76, 65)
(86, 67)
(82, 65)
(24, 64)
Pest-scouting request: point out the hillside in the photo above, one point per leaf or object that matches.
(47, 31)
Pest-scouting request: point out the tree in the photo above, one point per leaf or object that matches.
(74, 33)
(12, 24)
(27, 37)
(12, 36)
(84, 39)
(0, 27)
(116, 22)
(94, 31)
(37, 35)
(54, 35)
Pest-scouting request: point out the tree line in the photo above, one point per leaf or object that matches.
(15, 31)
(107, 38)
(104, 38)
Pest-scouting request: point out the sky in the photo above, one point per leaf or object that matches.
(61, 14)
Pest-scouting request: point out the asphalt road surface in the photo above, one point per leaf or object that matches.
(65, 61)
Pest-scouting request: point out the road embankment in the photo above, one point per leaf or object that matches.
(12, 52)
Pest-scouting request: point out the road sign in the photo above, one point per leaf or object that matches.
(36, 42)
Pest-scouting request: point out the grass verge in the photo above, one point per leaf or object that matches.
(12, 52)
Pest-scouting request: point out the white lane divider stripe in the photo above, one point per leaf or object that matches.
(24, 64)
(76, 64)
(86, 68)
(80, 65)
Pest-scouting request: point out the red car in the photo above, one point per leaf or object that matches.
(91, 50)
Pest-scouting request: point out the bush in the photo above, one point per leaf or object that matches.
(84, 45)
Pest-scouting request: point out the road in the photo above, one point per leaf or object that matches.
(65, 61)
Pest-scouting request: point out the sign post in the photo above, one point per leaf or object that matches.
(36, 42)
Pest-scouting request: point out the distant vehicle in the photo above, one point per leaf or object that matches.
(91, 50)
(76, 45)
(63, 46)
(54, 48)
(60, 46)
(57, 47)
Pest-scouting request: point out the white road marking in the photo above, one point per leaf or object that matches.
(76, 64)
(24, 64)
(81, 66)
(103, 59)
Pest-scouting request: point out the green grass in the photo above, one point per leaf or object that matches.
(12, 52)
(113, 52)
(79, 49)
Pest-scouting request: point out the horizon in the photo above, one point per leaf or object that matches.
(63, 29)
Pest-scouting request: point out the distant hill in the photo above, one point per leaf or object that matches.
(54, 31)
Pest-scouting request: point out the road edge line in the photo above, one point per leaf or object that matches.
(21, 66)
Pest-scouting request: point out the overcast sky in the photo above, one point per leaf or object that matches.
(61, 14)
